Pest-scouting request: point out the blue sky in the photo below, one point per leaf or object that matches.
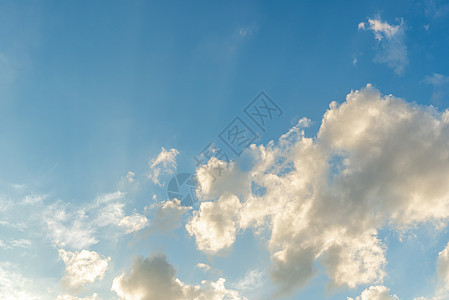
(103, 102)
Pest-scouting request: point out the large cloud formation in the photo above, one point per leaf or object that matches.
(376, 160)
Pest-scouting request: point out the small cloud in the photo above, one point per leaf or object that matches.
(203, 267)
(18, 226)
(246, 31)
(435, 10)
(252, 280)
(133, 223)
(355, 58)
(109, 197)
(164, 163)
(391, 39)
(83, 267)
(130, 176)
(18, 186)
(33, 199)
(22, 243)
(440, 85)
(436, 79)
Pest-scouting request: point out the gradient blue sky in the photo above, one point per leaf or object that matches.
(90, 90)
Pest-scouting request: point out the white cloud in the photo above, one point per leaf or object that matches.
(16, 226)
(252, 280)
(108, 197)
(376, 160)
(442, 290)
(14, 285)
(164, 163)
(111, 213)
(204, 267)
(391, 38)
(443, 266)
(154, 278)
(130, 176)
(378, 292)
(83, 267)
(21, 243)
(228, 178)
(214, 226)
(33, 199)
(77, 228)
(68, 227)
(134, 222)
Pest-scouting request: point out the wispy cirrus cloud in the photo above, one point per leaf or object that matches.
(77, 227)
(164, 163)
(391, 42)
(440, 84)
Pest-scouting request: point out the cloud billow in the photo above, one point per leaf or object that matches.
(376, 160)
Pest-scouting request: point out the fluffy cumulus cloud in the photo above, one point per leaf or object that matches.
(82, 267)
(164, 163)
(215, 224)
(378, 292)
(376, 160)
(153, 278)
(219, 177)
(391, 39)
